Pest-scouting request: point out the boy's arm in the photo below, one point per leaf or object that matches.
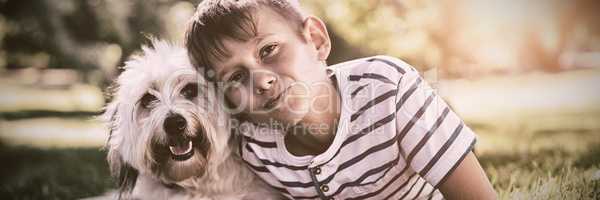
(468, 181)
(434, 140)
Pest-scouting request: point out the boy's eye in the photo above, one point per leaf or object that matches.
(190, 91)
(268, 50)
(237, 77)
(147, 99)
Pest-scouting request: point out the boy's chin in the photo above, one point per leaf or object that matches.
(291, 117)
(277, 120)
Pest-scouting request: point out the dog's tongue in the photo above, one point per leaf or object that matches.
(181, 148)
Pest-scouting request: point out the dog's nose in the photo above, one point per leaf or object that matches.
(174, 124)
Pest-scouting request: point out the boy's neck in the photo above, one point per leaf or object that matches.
(314, 134)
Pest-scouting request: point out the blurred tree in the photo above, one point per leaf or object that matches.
(398, 28)
(450, 35)
(469, 38)
(83, 35)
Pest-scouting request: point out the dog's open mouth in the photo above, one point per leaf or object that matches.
(181, 150)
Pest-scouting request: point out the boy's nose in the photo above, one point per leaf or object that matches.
(264, 83)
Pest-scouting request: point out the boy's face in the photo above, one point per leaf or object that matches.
(278, 75)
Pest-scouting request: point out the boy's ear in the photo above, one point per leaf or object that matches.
(315, 32)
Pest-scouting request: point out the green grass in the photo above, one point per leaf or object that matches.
(560, 165)
(551, 172)
(29, 173)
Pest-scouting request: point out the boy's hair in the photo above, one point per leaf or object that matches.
(216, 20)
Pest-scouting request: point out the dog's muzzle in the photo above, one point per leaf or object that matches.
(180, 144)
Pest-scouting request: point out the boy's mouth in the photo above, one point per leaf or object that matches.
(271, 103)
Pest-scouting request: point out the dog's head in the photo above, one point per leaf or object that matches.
(165, 120)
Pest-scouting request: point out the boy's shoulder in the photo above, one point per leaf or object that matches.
(389, 67)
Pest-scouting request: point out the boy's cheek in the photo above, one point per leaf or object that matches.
(241, 99)
(233, 97)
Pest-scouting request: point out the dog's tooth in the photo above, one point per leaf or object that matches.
(176, 150)
(173, 150)
(189, 147)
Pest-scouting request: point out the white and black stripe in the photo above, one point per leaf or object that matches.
(388, 148)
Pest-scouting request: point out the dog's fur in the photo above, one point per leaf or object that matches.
(153, 87)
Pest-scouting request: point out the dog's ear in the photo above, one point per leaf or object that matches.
(109, 117)
(125, 175)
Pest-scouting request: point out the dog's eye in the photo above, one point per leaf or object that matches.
(147, 99)
(190, 91)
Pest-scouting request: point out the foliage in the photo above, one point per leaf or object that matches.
(84, 35)
(29, 173)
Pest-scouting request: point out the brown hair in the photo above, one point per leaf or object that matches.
(215, 20)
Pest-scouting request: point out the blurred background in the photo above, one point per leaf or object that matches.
(525, 75)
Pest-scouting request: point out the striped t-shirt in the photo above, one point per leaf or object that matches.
(396, 139)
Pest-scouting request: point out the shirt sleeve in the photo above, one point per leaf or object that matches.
(432, 138)
(248, 155)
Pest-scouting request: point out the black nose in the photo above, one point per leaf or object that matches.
(174, 124)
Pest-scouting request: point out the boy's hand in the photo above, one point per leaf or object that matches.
(468, 181)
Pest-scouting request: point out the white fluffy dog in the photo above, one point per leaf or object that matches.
(170, 137)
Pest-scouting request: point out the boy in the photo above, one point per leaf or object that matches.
(367, 128)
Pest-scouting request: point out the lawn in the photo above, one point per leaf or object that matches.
(544, 172)
(556, 170)
(29, 173)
